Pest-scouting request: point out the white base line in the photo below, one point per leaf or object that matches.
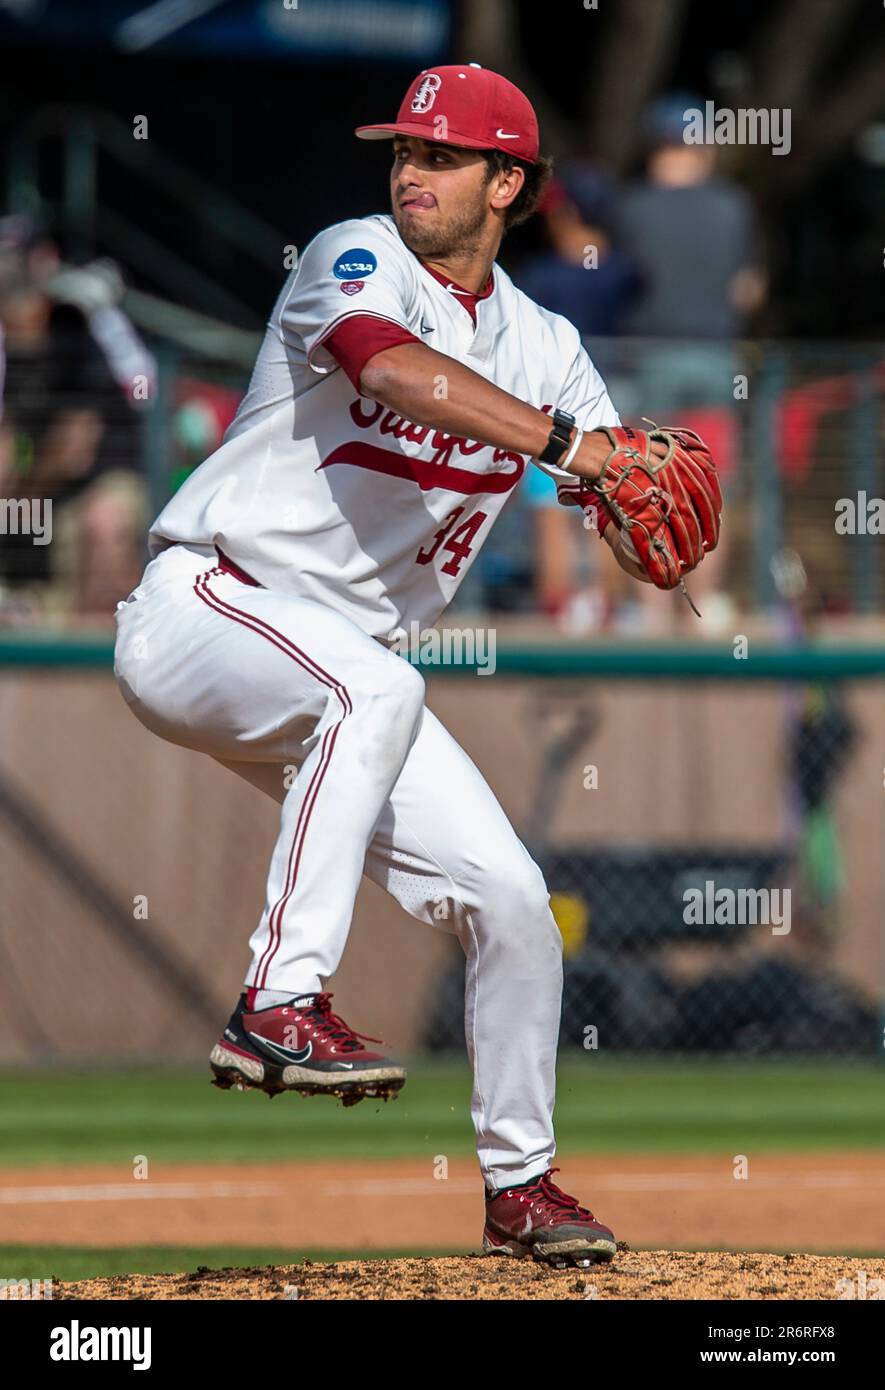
(636, 1182)
(134, 1191)
(146, 1190)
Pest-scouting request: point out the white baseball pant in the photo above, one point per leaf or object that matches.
(263, 681)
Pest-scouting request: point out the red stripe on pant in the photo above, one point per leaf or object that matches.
(286, 645)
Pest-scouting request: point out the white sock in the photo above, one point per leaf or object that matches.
(274, 998)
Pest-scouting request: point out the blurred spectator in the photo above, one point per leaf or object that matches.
(74, 373)
(584, 276)
(588, 279)
(694, 236)
(202, 412)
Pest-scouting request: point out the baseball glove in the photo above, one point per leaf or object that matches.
(668, 508)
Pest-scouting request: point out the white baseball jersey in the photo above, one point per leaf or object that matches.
(323, 493)
(359, 523)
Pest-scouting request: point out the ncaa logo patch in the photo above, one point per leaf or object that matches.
(355, 264)
(425, 95)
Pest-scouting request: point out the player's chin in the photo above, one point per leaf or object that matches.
(420, 236)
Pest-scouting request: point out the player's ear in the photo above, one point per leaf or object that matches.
(506, 186)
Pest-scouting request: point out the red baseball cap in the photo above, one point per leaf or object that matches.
(465, 105)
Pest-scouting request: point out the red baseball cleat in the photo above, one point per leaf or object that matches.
(539, 1219)
(301, 1046)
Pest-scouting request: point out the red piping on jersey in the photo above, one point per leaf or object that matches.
(424, 472)
(359, 337)
(356, 337)
(288, 647)
(227, 566)
(466, 298)
(332, 328)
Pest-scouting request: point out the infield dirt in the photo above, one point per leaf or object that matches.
(633, 1274)
(815, 1201)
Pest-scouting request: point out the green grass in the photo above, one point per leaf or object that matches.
(65, 1262)
(603, 1105)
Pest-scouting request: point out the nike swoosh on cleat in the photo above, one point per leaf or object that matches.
(286, 1054)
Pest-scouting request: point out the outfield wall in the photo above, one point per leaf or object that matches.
(125, 817)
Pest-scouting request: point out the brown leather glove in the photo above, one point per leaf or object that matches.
(668, 507)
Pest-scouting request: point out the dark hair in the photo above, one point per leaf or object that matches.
(529, 196)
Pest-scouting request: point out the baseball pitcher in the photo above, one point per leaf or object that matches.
(402, 388)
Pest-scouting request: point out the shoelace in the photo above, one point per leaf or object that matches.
(333, 1027)
(552, 1200)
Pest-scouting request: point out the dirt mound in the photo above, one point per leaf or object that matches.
(633, 1274)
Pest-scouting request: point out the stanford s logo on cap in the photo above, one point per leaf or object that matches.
(426, 94)
(467, 106)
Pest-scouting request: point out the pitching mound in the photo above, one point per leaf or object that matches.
(633, 1274)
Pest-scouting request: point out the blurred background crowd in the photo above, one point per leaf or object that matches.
(160, 162)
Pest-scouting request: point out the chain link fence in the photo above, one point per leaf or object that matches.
(712, 848)
(795, 427)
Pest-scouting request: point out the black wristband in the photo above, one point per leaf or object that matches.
(560, 437)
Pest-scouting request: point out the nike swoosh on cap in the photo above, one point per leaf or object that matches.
(502, 135)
